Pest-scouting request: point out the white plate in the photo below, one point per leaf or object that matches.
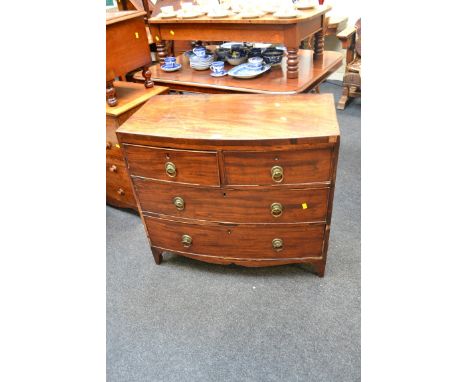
(184, 15)
(228, 45)
(167, 15)
(261, 45)
(245, 72)
(304, 6)
(218, 15)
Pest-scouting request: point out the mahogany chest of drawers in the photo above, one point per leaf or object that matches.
(243, 179)
(132, 96)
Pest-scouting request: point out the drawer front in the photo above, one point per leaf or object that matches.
(118, 187)
(252, 205)
(241, 241)
(184, 166)
(286, 167)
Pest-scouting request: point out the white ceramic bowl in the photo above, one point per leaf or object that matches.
(237, 60)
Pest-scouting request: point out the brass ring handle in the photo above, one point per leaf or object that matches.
(186, 241)
(276, 209)
(179, 203)
(113, 168)
(277, 244)
(277, 174)
(171, 169)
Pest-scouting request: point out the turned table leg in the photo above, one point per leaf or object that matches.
(157, 255)
(319, 42)
(146, 72)
(110, 93)
(292, 63)
(161, 50)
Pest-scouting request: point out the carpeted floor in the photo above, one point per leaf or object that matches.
(190, 321)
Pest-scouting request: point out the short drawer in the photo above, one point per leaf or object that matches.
(184, 166)
(242, 205)
(239, 241)
(277, 167)
(119, 189)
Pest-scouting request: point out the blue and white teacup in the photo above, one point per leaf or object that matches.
(169, 62)
(199, 51)
(255, 62)
(217, 67)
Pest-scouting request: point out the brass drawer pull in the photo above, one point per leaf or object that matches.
(113, 168)
(171, 169)
(179, 203)
(186, 241)
(277, 244)
(277, 174)
(276, 209)
(121, 192)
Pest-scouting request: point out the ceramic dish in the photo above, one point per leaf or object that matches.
(167, 15)
(245, 71)
(228, 45)
(273, 56)
(185, 15)
(222, 74)
(173, 69)
(236, 60)
(304, 5)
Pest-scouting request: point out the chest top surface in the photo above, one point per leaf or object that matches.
(235, 117)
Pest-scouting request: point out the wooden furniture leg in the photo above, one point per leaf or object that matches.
(319, 42)
(292, 63)
(157, 255)
(161, 51)
(319, 269)
(110, 94)
(343, 99)
(146, 72)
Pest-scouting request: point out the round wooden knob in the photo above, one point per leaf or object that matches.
(277, 244)
(108, 146)
(113, 168)
(121, 192)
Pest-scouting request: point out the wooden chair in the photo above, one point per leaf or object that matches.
(351, 41)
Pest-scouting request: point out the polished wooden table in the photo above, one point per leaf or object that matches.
(268, 28)
(275, 81)
(127, 48)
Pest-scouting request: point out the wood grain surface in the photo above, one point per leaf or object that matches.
(275, 81)
(299, 166)
(235, 205)
(198, 167)
(238, 241)
(234, 117)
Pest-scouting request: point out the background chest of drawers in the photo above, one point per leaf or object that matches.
(244, 179)
(132, 96)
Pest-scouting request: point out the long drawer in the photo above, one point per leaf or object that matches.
(238, 241)
(238, 205)
(184, 166)
(277, 167)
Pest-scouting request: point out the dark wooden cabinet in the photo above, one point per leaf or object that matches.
(236, 179)
(127, 49)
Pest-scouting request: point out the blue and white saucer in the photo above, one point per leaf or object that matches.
(172, 69)
(221, 74)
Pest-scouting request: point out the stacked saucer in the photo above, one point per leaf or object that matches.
(201, 62)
